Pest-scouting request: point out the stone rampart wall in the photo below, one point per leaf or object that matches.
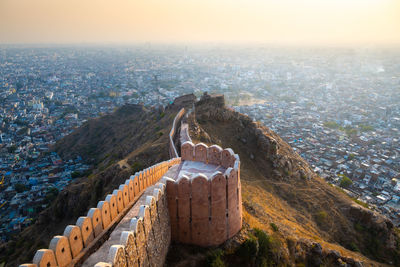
(149, 236)
(173, 153)
(80, 240)
(206, 211)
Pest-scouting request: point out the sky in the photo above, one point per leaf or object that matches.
(332, 22)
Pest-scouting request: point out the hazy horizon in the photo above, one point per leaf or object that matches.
(262, 22)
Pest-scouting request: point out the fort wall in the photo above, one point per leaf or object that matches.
(135, 224)
(173, 153)
(145, 238)
(80, 240)
(203, 210)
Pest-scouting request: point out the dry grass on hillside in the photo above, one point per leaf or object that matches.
(302, 210)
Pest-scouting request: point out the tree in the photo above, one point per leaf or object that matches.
(12, 149)
(51, 194)
(331, 124)
(345, 182)
(20, 188)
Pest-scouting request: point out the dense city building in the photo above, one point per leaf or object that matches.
(337, 107)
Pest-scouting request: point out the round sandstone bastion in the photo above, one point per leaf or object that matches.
(204, 196)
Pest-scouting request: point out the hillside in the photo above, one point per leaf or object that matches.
(132, 138)
(311, 222)
(308, 222)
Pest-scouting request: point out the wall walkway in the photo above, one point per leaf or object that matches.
(82, 239)
(195, 199)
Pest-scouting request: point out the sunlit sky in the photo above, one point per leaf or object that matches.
(225, 21)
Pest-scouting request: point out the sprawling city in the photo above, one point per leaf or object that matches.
(338, 108)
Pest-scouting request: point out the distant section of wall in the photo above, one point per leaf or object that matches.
(206, 211)
(173, 153)
(80, 240)
(184, 134)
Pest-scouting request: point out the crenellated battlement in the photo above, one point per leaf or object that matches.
(194, 199)
(204, 199)
(80, 240)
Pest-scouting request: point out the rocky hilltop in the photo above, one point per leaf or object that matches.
(314, 222)
(290, 215)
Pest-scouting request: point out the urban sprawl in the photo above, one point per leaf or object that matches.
(338, 108)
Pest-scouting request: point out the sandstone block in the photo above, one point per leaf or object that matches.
(95, 215)
(60, 245)
(184, 233)
(85, 224)
(136, 186)
(125, 194)
(172, 194)
(218, 228)
(45, 258)
(141, 185)
(187, 151)
(112, 201)
(200, 210)
(214, 155)
(120, 202)
(234, 221)
(144, 213)
(131, 190)
(105, 211)
(116, 256)
(74, 235)
(128, 241)
(136, 225)
(200, 152)
(227, 158)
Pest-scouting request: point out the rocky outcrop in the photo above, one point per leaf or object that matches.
(334, 216)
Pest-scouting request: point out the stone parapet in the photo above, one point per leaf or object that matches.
(206, 210)
(146, 240)
(80, 240)
(172, 148)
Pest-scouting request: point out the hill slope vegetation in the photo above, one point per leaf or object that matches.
(313, 222)
(117, 145)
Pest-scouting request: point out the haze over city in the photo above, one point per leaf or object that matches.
(208, 133)
(294, 22)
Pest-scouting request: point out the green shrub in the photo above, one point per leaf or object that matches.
(274, 227)
(359, 202)
(365, 127)
(218, 263)
(267, 247)
(321, 217)
(331, 124)
(359, 227)
(248, 250)
(136, 166)
(20, 188)
(263, 241)
(345, 181)
(75, 174)
(351, 156)
(214, 258)
(353, 247)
